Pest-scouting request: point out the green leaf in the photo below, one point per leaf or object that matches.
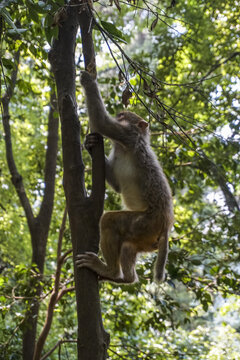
(41, 7)
(41, 4)
(55, 31)
(48, 21)
(33, 14)
(196, 260)
(48, 35)
(16, 31)
(9, 20)
(7, 63)
(51, 33)
(112, 30)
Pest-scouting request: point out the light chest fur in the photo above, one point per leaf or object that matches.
(126, 172)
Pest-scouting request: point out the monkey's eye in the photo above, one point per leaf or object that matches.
(120, 117)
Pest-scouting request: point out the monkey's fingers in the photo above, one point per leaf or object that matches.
(91, 141)
(88, 254)
(86, 260)
(84, 263)
(85, 78)
(92, 261)
(93, 137)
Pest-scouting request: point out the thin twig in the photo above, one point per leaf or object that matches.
(59, 343)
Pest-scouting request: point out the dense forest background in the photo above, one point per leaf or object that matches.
(176, 64)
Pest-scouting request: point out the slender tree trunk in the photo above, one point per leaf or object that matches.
(39, 231)
(84, 212)
(30, 329)
(39, 225)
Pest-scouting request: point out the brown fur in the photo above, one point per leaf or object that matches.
(133, 170)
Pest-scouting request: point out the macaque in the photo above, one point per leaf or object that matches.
(132, 169)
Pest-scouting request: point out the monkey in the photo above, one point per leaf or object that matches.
(133, 170)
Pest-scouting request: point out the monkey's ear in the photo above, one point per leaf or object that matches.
(143, 124)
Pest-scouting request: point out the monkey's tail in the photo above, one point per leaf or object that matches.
(159, 270)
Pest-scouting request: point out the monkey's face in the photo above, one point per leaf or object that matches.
(129, 118)
(121, 118)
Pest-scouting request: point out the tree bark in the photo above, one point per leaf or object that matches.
(39, 225)
(84, 212)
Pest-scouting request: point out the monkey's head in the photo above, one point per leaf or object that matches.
(134, 120)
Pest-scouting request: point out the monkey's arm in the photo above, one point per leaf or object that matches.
(96, 109)
(92, 140)
(100, 121)
(110, 176)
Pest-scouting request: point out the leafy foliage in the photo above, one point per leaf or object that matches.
(181, 66)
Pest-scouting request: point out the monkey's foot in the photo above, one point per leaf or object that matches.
(92, 261)
(120, 279)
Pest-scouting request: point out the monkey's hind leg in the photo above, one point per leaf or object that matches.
(110, 246)
(112, 270)
(128, 260)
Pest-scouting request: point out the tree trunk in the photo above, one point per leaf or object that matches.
(84, 212)
(38, 226)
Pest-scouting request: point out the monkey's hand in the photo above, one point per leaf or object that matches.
(86, 78)
(91, 141)
(91, 261)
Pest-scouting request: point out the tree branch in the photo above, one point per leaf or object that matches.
(98, 176)
(64, 291)
(84, 213)
(50, 165)
(62, 60)
(56, 346)
(219, 63)
(86, 21)
(53, 298)
(15, 176)
(39, 226)
(213, 170)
